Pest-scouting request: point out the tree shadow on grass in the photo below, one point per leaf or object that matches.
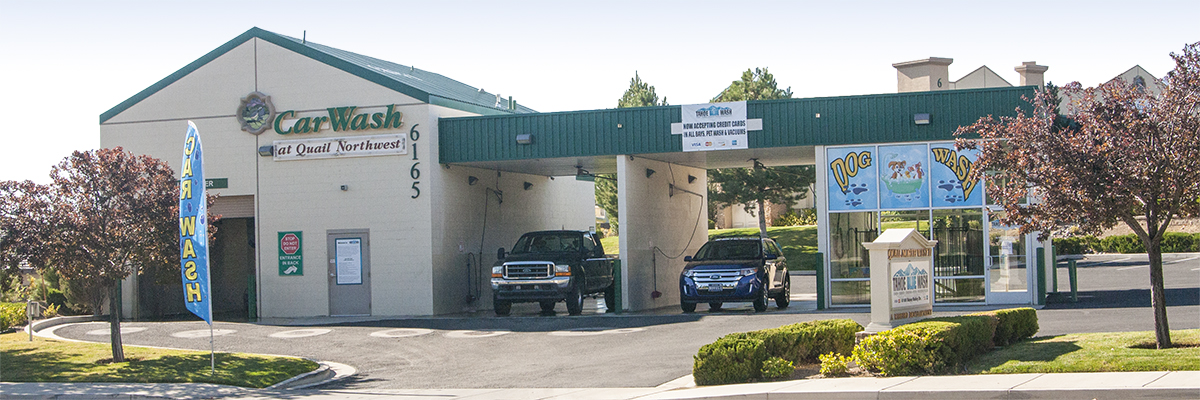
(32, 365)
(1035, 350)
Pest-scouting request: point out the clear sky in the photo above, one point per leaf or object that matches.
(63, 63)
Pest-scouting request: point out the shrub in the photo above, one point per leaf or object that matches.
(807, 216)
(833, 364)
(11, 314)
(1076, 245)
(1014, 324)
(777, 368)
(51, 311)
(1124, 244)
(1178, 242)
(729, 361)
(967, 337)
(806, 340)
(899, 352)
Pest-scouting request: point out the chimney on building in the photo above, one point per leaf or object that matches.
(930, 74)
(1032, 74)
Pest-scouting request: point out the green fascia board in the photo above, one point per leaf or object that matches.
(879, 118)
(325, 57)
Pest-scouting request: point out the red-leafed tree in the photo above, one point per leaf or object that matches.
(24, 212)
(1121, 154)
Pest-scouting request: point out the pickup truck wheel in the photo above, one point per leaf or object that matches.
(547, 307)
(714, 306)
(785, 294)
(575, 299)
(688, 307)
(502, 307)
(610, 298)
(760, 303)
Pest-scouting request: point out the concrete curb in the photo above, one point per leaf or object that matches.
(56, 321)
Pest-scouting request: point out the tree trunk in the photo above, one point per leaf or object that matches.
(1158, 298)
(762, 219)
(114, 322)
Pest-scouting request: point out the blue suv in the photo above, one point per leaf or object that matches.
(743, 269)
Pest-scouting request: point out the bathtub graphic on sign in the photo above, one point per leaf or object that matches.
(903, 176)
(851, 178)
(949, 170)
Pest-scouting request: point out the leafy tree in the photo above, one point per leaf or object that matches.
(640, 94)
(757, 84)
(24, 207)
(754, 187)
(110, 214)
(606, 198)
(1128, 156)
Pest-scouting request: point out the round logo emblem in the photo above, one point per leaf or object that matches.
(290, 244)
(255, 113)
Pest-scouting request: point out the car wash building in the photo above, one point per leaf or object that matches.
(350, 185)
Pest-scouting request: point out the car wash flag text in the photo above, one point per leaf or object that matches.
(193, 228)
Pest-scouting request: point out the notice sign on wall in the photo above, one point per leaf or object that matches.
(354, 146)
(291, 255)
(714, 126)
(349, 261)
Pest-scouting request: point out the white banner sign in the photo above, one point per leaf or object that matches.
(714, 126)
(353, 146)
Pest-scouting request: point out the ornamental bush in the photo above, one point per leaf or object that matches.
(729, 361)
(1178, 242)
(777, 368)
(1076, 245)
(11, 314)
(833, 364)
(1124, 244)
(804, 341)
(927, 346)
(1014, 324)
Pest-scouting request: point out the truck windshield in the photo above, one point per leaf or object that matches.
(729, 250)
(548, 243)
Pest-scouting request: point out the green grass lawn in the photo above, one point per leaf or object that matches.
(799, 243)
(1092, 352)
(53, 361)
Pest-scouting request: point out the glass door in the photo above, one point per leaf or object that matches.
(1008, 272)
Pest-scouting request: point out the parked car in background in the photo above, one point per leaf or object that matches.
(743, 269)
(552, 266)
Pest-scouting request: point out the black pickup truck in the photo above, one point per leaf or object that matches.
(552, 266)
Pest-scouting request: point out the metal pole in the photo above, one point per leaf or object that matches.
(1074, 281)
(1040, 253)
(1054, 267)
(212, 351)
(820, 281)
(617, 287)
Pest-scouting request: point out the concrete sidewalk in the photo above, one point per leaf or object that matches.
(1099, 385)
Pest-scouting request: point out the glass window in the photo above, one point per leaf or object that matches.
(959, 251)
(850, 292)
(963, 290)
(730, 250)
(847, 232)
(914, 219)
(1006, 245)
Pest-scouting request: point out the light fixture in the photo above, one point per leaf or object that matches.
(649, 172)
(528, 185)
(921, 119)
(471, 180)
(525, 138)
(691, 179)
(345, 187)
(266, 151)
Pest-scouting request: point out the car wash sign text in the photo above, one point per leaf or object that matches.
(714, 126)
(193, 228)
(338, 119)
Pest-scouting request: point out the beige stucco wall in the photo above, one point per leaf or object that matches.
(677, 225)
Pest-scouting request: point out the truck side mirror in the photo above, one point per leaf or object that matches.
(500, 253)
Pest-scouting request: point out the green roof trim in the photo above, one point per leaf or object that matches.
(878, 118)
(422, 85)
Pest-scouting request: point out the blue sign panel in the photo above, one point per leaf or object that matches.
(949, 169)
(193, 228)
(903, 176)
(851, 178)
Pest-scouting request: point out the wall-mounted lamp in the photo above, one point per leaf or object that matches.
(649, 172)
(471, 180)
(525, 138)
(266, 151)
(345, 187)
(528, 185)
(921, 119)
(691, 179)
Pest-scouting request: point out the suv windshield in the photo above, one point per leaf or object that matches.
(729, 250)
(548, 243)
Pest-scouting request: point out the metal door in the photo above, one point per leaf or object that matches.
(349, 272)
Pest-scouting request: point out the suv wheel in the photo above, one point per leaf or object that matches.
(575, 299)
(760, 303)
(503, 307)
(785, 294)
(714, 306)
(610, 298)
(688, 307)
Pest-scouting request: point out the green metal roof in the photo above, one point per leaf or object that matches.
(879, 118)
(425, 86)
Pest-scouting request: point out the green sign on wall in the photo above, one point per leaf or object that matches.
(291, 254)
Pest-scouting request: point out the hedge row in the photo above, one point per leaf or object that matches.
(11, 314)
(739, 357)
(937, 344)
(1173, 242)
